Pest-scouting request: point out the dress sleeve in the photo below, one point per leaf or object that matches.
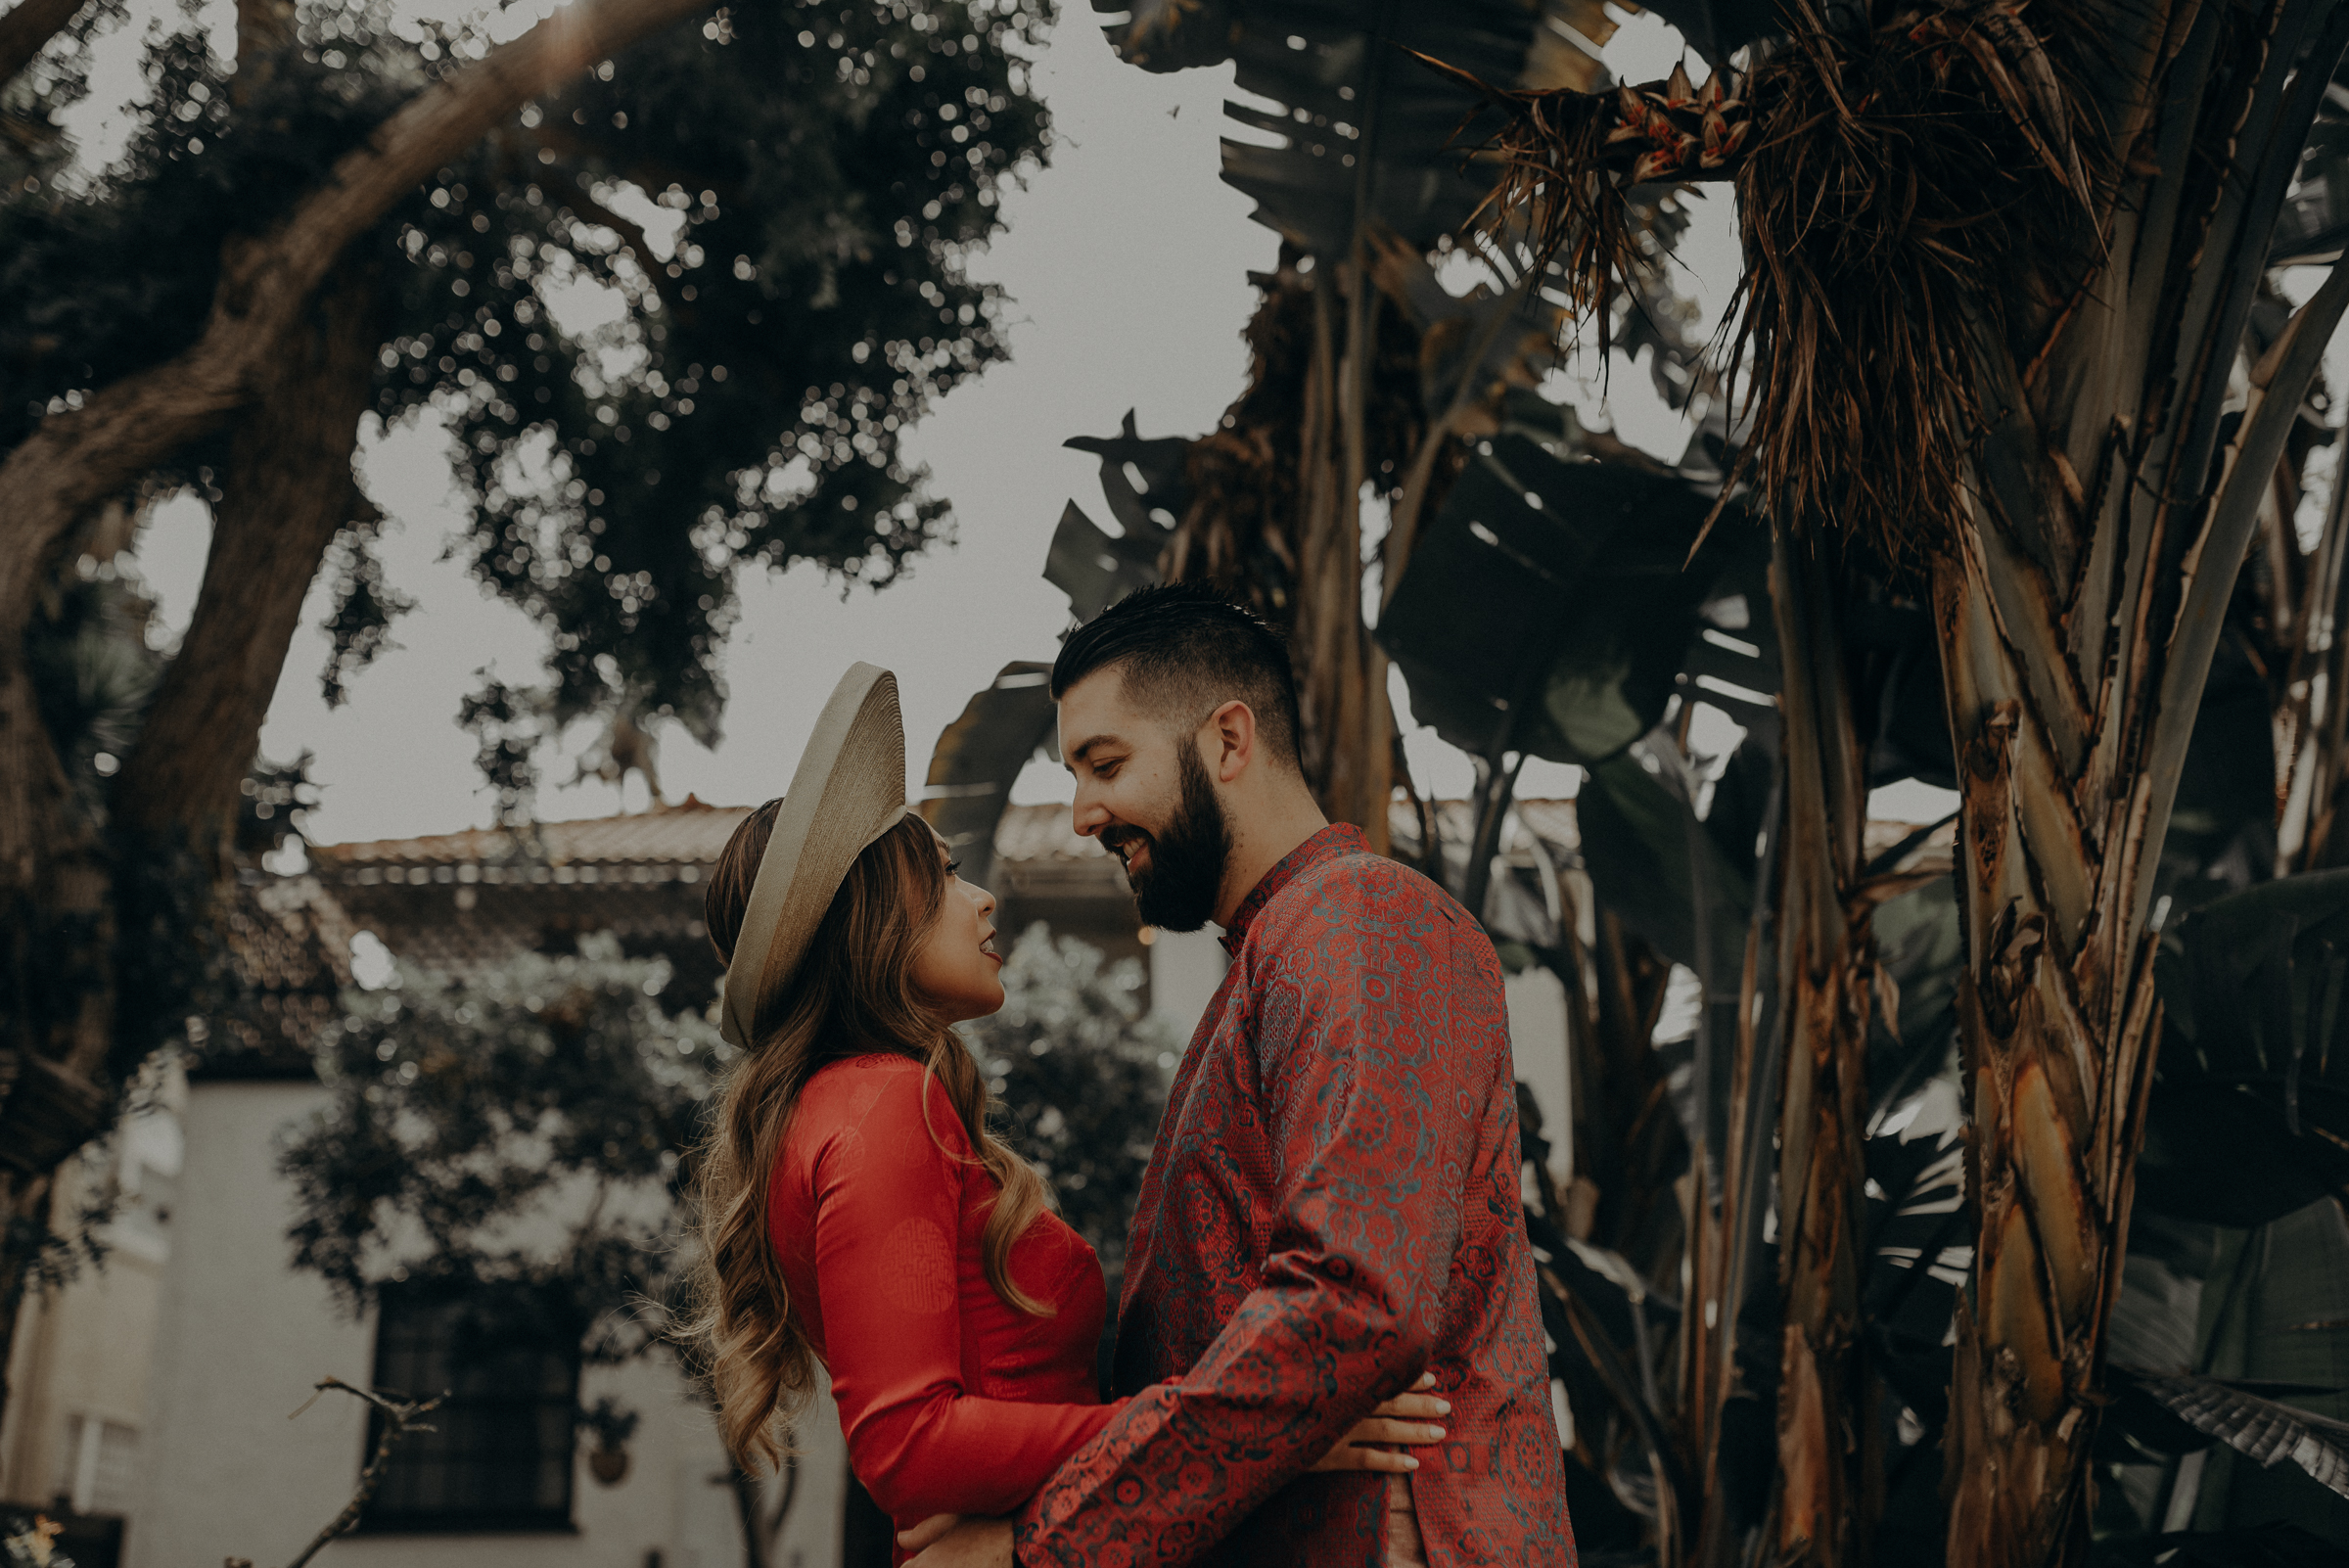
(1370, 1135)
(888, 1206)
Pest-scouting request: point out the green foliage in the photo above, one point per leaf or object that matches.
(1587, 576)
(775, 205)
(92, 672)
(1081, 1074)
(519, 1127)
(2249, 1118)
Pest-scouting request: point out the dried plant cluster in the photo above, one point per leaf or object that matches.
(1908, 191)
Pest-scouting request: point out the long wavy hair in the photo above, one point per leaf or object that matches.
(853, 996)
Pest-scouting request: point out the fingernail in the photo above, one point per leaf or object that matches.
(1435, 1434)
(1442, 1406)
(1410, 1463)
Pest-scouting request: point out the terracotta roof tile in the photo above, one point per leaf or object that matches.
(694, 834)
(690, 833)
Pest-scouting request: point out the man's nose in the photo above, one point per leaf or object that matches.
(1087, 816)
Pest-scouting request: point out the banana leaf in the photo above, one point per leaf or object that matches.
(1717, 28)
(1896, 691)
(979, 756)
(1920, 1245)
(2315, 222)
(2249, 1118)
(1151, 510)
(2270, 1546)
(2275, 1312)
(1637, 851)
(1364, 130)
(2250, 1419)
(1918, 947)
(1093, 568)
(1589, 614)
(2221, 834)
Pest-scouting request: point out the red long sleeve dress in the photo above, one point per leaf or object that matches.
(952, 1400)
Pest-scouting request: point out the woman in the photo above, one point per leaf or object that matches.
(856, 1209)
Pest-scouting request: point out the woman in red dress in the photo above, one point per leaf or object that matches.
(855, 1210)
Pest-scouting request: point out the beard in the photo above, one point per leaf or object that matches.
(1177, 893)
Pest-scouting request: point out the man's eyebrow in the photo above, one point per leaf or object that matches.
(1073, 755)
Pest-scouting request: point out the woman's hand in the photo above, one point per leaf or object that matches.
(928, 1530)
(949, 1540)
(1404, 1419)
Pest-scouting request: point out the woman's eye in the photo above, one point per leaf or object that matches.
(953, 868)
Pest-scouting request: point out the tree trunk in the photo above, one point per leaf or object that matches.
(2056, 1069)
(1828, 1450)
(1348, 744)
(287, 491)
(2077, 616)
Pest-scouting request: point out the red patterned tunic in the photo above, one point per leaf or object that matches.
(1332, 1208)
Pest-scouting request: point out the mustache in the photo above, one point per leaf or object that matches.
(1118, 837)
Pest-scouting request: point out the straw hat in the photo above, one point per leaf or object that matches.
(848, 790)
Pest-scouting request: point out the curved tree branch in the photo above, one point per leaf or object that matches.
(77, 458)
(285, 493)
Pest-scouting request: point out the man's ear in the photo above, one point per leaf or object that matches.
(1231, 731)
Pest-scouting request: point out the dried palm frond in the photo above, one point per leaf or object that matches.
(1906, 193)
(1569, 160)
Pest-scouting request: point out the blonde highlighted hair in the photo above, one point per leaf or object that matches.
(853, 994)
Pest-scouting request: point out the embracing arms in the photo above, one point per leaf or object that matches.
(1371, 1138)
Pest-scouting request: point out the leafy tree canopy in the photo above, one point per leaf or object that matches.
(520, 1125)
(677, 317)
(1081, 1072)
(524, 1126)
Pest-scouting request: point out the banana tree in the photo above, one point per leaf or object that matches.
(1368, 375)
(1998, 270)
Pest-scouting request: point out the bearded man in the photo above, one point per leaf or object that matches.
(1331, 1209)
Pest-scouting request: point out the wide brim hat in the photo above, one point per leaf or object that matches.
(849, 789)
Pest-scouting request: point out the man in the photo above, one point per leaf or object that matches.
(1332, 1207)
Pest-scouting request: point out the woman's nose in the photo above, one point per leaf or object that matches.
(984, 900)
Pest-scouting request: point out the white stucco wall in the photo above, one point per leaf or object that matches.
(1537, 1003)
(78, 1367)
(243, 1338)
(1186, 968)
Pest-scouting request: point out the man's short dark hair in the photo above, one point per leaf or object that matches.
(1184, 650)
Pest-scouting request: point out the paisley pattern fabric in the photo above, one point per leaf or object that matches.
(1332, 1208)
(951, 1401)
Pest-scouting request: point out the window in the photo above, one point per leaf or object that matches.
(96, 1465)
(500, 1454)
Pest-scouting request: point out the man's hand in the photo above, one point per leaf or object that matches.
(959, 1544)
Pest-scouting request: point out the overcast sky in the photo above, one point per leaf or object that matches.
(1125, 262)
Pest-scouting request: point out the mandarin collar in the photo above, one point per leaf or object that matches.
(1339, 837)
